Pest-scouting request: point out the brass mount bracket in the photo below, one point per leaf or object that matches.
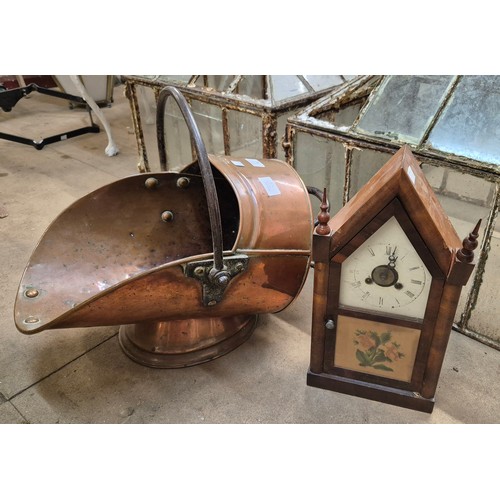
(214, 282)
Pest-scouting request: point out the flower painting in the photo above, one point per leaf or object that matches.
(375, 348)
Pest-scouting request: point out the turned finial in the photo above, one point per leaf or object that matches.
(323, 217)
(466, 253)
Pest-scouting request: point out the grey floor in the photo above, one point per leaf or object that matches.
(82, 376)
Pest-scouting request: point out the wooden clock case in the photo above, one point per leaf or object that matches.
(399, 189)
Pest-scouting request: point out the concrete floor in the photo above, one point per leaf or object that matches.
(82, 376)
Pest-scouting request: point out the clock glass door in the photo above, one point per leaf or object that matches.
(376, 348)
(385, 274)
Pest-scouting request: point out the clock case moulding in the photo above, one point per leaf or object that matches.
(399, 189)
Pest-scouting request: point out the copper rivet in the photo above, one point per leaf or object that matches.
(31, 319)
(212, 303)
(167, 216)
(199, 271)
(183, 182)
(151, 182)
(31, 293)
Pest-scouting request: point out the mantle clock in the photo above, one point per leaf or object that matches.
(389, 269)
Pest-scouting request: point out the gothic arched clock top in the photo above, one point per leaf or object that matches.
(388, 277)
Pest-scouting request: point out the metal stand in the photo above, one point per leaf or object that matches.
(9, 98)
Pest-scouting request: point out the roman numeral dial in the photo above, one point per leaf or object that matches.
(386, 274)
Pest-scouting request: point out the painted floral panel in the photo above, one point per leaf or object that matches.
(376, 348)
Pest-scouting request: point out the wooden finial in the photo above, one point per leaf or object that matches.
(323, 216)
(466, 253)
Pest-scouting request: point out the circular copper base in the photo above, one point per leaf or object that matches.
(181, 343)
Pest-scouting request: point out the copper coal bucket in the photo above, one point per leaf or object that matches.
(183, 261)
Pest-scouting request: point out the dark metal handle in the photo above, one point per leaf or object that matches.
(205, 168)
(317, 192)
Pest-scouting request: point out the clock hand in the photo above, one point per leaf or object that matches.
(392, 264)
(392, 258)
(386, 275)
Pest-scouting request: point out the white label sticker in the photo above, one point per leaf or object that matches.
(411, 175)
(255, 163)
(237, 163)
(64, 137)
(270, 186)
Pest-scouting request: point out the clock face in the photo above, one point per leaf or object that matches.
(385, 274)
